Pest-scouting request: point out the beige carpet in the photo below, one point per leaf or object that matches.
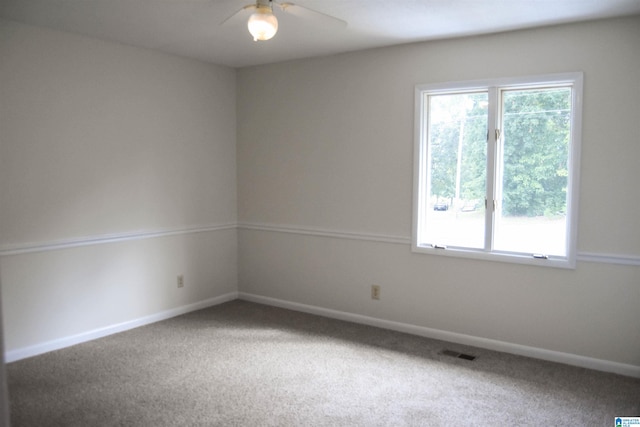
(245, 364)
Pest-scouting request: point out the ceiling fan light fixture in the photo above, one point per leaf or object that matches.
(263, 24)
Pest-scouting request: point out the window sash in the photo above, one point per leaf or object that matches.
(461, 123)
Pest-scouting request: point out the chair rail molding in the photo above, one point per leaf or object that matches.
(74, 242)
(618, 259)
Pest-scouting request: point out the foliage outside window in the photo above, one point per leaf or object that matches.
(496, 169)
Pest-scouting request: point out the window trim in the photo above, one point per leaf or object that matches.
(493, 87)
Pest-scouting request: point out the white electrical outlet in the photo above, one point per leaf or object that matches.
(375, 292)
(180, 281)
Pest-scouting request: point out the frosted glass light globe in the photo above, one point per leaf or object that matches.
(263, 24)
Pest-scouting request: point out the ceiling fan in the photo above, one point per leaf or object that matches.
(263, 24)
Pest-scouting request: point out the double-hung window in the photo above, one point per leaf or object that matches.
(497, 167)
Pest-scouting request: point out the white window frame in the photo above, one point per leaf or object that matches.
(493, 87)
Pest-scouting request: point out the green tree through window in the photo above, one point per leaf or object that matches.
(536, 132)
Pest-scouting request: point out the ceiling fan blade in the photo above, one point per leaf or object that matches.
(238, 13)
(305, 12)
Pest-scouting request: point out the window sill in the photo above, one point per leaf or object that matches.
(508, 257)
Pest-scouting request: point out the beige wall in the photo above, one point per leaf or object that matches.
(118, 171)
(103, 147)
(325, 150)
(4, 395)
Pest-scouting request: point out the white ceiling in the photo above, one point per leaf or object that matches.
(192, 28)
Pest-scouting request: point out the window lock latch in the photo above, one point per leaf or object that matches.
(486, 204)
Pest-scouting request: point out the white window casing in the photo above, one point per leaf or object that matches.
(495, 90)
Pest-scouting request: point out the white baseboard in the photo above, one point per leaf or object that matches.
(34, 350)
(521, 350)
(506, 347)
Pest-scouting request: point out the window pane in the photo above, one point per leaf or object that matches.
(532, 208)
(457, 148)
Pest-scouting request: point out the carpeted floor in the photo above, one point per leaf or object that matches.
(245, 364)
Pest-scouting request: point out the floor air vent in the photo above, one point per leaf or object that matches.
(455, 354)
